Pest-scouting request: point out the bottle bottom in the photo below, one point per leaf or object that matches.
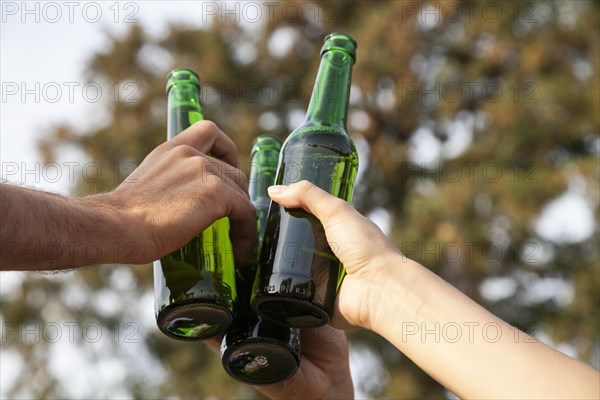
(194, 321)
(260, 361)
(290, 311)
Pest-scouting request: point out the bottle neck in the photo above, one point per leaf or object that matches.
(184, 107)
(329, 101)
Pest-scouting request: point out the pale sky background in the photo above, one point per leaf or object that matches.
(51, 53)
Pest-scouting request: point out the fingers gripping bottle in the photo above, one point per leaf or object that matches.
(299, 276)
(256, 351)
(194, 286)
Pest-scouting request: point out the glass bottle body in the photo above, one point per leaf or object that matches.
(194, 286)
(299, 275)
(256, 351)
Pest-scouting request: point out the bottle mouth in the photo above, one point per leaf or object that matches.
(340, 41)
(182, 75)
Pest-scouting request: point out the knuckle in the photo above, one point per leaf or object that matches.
(305, 186)
(164, 146)
(184, 151)
(207, 126)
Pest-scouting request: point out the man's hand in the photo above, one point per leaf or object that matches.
(177, 192)
(324, 371)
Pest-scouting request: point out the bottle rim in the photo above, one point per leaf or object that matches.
(340, 41)
(182, 75)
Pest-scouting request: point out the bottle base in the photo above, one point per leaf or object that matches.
(290, 311)
(260, 361)
(194, 321)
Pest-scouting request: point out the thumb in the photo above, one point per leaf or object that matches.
(312, 199)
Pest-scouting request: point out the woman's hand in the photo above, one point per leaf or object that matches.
(366, 253)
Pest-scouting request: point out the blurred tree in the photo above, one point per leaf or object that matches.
(471, 118)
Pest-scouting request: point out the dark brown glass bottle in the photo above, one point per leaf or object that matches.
(299, 276)
(256, 351)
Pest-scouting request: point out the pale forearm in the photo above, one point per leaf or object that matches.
(44, 231)
(469, 350)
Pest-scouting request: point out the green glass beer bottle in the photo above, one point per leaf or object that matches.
(257, 351)
(299, 275)
(194, 286)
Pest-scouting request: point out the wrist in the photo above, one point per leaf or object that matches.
(115, 236)
(389, 294)
(365, 291)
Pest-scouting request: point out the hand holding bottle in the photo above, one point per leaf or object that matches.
(400, 299)
(178, 190)
(359, 244)
(299, 276)
(175, 193)
(324, 372)
(194, 285)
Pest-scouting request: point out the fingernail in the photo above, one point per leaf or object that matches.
(276, 189)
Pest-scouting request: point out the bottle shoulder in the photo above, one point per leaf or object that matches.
(315, 127)
(333, 138)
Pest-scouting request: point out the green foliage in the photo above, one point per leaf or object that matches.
(530, 142)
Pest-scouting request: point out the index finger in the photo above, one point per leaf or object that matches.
(206, 137)
(313, 199)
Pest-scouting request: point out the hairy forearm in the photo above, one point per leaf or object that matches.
(44, 231)
(469, 350)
